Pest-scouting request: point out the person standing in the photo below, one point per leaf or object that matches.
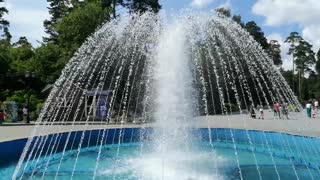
(261, 116)
(1, 116)
(252, 112)
(275, 113)
(25, 114)
(285, 110)
(277, 110)
(316, 105)
(313, 111)
(308, 108)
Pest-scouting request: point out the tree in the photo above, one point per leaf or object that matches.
(78, 25)
(224, 12)
(139, 6)
(5, 60)
(4, 24)
(57, 9)
(21, 53)
(293, 40)
(237, 19)
(47, 62)
(257, 34)
(142, 6)
(318, 62)
(303, 57)
(275, 52)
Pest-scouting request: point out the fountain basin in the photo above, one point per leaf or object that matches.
(232, 154)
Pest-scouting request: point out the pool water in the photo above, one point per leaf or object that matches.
(200, 162)
(265, 156)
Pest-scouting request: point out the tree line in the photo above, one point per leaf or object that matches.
(304, 77)
(25, 70)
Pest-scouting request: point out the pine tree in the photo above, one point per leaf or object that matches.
(303, 57)
(318, 62)
(275, 52)
(142, 6)
(257, 34)
(4, 24)
(57, 9)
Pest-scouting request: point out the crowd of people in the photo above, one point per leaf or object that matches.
(8, 116)
(281, 110)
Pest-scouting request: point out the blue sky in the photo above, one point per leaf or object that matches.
(277, 18)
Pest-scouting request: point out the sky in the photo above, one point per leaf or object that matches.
(277, 18)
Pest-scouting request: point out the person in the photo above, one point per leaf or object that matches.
(316, 105)
(275, 113)
(313, 110)
(276, 109)
(261, 116)
(285, 110)
(25, 114)
(1, 116)
(252, 112)
(308, 107)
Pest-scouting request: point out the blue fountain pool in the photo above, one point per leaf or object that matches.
(254, 155)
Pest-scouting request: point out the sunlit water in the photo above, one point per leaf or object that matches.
(199, 163)
(152, 69)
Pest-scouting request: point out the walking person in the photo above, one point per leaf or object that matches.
(316, 105)
(1, 116)
(275, 112)
(261, 116)
(252, 112)
(285, 110)
(308, 108)
(313, 111)
(25, 113)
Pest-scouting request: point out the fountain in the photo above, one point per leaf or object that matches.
(150, 87)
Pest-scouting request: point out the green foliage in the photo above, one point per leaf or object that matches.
(142, 6)
(139, 6)
(4, 24)
(78, 25)
(257, 34)
(57, 10)
(304, 57)
(224, 12)
(47, 62)
(275, 52)
(293, 39)
(4, 61)
(318, 62)
(237, 19)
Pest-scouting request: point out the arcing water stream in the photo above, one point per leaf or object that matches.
(143, 69)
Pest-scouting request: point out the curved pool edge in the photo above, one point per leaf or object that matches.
(307, 128)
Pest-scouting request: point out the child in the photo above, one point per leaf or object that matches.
(261, 112)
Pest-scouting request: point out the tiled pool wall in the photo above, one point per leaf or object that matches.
(301, 150)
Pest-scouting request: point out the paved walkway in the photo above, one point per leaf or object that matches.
(298, 124)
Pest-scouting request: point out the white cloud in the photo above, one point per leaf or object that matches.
(304, 13)
(287, 60)
(201, 3)
(226, 4)
(312, 34)
(26, 19)
(281, 12)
